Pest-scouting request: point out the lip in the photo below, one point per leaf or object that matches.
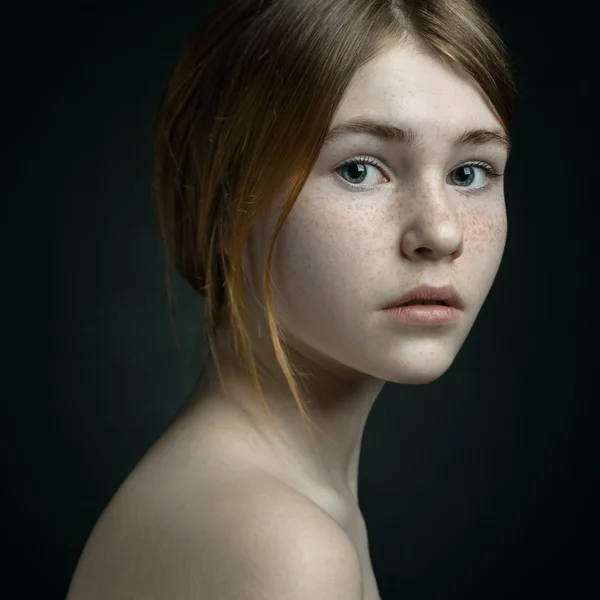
(446, 294)
(419, 314)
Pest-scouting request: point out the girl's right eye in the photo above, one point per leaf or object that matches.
(350, 166)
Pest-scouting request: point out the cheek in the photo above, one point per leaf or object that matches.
(324, 256)
(485, 232)
(313, 249)
(484, 237)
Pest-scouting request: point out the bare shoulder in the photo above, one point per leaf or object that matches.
(245, 537)
(269, 541)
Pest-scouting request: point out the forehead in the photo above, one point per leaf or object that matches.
(407, 83)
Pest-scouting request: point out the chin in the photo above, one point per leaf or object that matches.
(419, 369)
(417, 378)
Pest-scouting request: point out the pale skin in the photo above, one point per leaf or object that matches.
(415, 218)
(343, 253)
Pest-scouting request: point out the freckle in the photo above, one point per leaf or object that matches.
(485, 228)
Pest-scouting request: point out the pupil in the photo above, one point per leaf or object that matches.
(469, 176)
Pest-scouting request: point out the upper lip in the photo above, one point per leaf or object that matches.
(446, 294)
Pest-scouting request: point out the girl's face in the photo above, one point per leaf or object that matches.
(360, 236)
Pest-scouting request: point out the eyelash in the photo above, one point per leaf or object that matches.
(367, 160)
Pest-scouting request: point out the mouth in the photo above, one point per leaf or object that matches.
(426, 295)
(423, 302)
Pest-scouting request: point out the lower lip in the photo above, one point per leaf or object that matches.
(424, 314)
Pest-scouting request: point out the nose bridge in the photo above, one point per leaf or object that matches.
(434, 225)
(435, 202)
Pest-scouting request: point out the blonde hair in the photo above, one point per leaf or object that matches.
(244, 115)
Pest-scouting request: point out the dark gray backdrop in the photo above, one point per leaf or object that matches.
(476, 486)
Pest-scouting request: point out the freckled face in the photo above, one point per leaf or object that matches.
(361, 235)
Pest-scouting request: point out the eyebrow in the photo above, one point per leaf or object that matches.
(410, 138)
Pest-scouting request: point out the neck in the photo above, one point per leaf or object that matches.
(338, 403)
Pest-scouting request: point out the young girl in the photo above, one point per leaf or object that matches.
(329, 178)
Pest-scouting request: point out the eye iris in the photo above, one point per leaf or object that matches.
(469, 177)
(359, 167)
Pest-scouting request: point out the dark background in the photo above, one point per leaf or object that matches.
(476, 486)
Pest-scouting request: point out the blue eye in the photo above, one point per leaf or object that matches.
(471, 170)
(352, 165)
(358, 169)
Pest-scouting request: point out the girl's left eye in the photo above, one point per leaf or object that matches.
(469, 171)
(357, 168)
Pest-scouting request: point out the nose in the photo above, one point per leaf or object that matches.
(434, 230)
